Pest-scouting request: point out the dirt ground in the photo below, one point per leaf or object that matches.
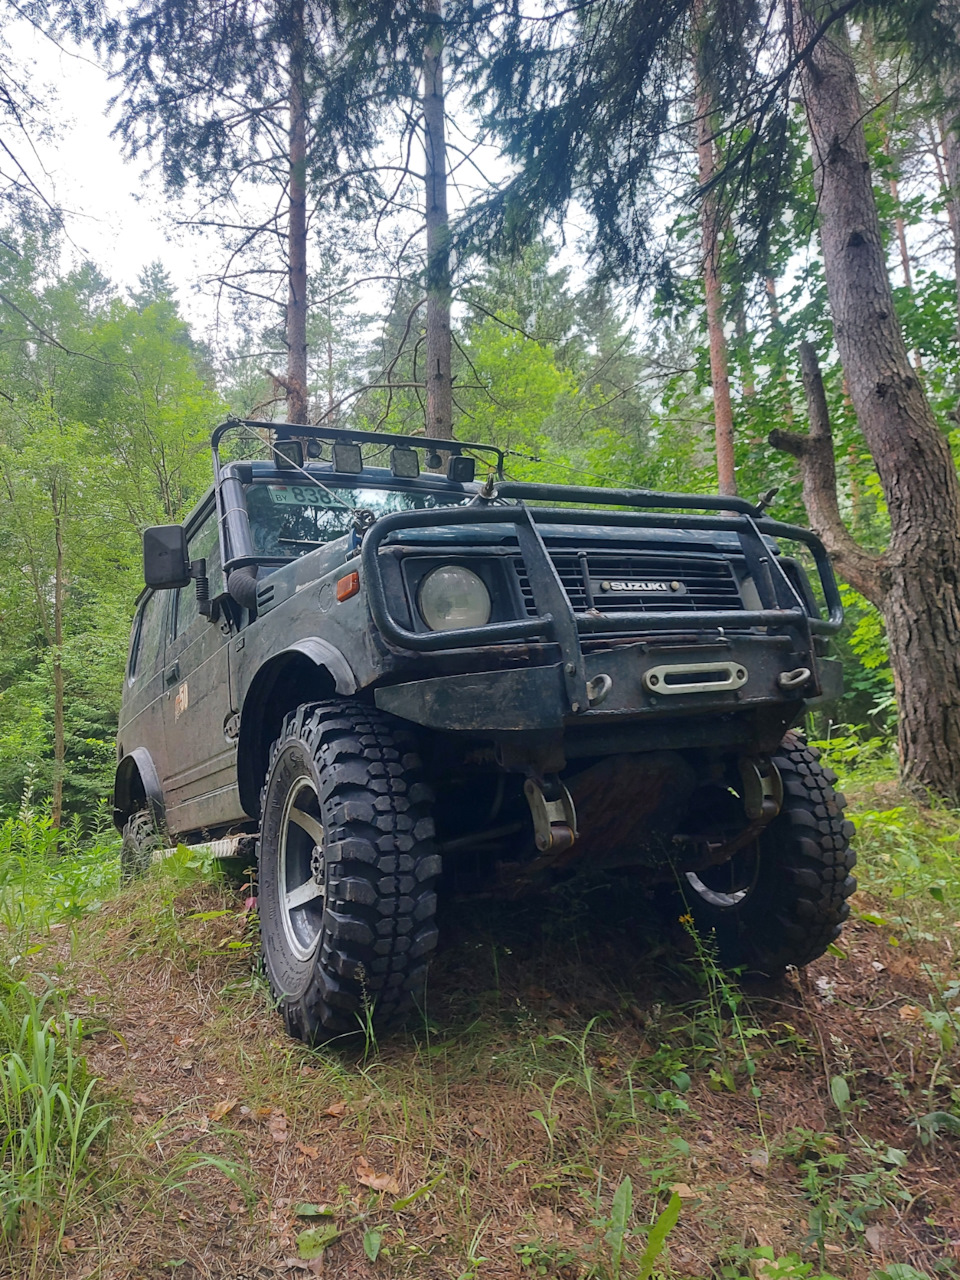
(566, 1044)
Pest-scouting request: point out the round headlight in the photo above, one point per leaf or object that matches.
(452, 597)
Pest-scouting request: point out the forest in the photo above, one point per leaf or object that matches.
(699, 246)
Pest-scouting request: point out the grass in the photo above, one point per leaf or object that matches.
(53, 1120)
(49, 1118)
(587, 1097)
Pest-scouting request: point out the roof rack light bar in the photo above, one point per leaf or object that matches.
(345, 435)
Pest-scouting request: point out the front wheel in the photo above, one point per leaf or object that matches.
(346, 871)
(782, 900)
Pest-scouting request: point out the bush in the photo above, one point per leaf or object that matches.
(47, 876)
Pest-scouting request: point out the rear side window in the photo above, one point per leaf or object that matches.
(148, 639)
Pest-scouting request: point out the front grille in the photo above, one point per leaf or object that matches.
(640, 581)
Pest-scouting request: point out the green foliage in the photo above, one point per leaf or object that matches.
(868, 679)
(543, 1259)
(619, 1258)
(103, 430)
(913, 854)
(843, 1199)
(615, 1235)
(854, 753)
(522, 387)
(657, 1237)
(899, 1271)
(48, 876)
(789, 1267)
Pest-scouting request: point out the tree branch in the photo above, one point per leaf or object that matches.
(866, 573)
(48, 337)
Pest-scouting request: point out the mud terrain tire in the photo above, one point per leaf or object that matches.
(139, 841)
(347, 870)
(791, 905)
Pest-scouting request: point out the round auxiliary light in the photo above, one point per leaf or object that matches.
(452, 597)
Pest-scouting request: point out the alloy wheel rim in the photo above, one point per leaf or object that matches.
(742, 881)
(300, 873)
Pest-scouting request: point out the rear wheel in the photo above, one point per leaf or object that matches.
(140, 841)
(347, 871)
(782, 900)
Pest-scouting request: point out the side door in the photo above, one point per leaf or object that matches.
(141, 715)
(199, 713)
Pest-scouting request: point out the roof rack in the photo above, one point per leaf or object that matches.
(348, 435)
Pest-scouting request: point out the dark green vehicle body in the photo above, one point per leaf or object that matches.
(638, 648)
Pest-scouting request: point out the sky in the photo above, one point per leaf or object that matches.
(116, 215)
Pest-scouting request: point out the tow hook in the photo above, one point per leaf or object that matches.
(597, 689)
(553, 813)
(788, 680)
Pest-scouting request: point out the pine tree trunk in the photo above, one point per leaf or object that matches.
(951, 148)
(710, 233)
(950, 141)
(773, 303)
(439, 289)
(748, 378)
(330, 378)
(296, 335)
(921, 604)
(59, 733)
(898, 223)
(901, 229)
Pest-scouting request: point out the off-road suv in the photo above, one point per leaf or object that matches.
(373, 674)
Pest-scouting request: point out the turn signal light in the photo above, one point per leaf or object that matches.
(348, 586)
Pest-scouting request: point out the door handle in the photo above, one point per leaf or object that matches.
(173, 673)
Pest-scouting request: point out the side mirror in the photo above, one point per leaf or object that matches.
(166, 562)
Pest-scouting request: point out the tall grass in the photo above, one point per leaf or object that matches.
(49, 1117)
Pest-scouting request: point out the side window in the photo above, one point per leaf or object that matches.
(148, 644)
(204, 544)
(136, 635)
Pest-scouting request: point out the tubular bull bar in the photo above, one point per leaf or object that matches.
(782, 607)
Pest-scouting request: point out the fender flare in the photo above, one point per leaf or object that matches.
(138, 763)
(323, 654)
(269, 697)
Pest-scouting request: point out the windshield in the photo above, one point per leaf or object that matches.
(292, 519)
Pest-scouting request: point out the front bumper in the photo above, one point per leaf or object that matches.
(759, 646)
(534, 698)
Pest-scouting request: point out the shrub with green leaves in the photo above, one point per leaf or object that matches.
(49, 875)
